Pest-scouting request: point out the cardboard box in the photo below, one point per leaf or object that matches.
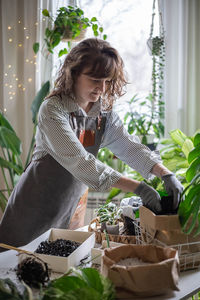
(63, 264)
(159, 222)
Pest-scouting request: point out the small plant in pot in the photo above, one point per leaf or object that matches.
(109, 216)
(68, 25)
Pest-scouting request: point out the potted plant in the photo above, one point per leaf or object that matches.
(69, 24)
(109, 215)
(189, 208)
(143, 119)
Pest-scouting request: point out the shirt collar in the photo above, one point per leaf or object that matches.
(72, 106)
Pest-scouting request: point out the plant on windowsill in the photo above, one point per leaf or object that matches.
(68, 25)
(143, 119)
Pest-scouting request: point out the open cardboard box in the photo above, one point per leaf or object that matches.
(63, 264)
(159, 222)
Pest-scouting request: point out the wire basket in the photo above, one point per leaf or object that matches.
(188, 260)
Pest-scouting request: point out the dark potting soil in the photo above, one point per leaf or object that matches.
(167, 206)
(129, 227)
(33, 272)
(58, 247)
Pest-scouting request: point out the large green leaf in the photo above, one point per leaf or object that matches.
(67, 283)
(193, 169)
(187, 147)
(4, 122)
(9, 165)
(178, 136)
(195, 153)
(114, 192)
(197, 139)
(9, 140)
(92, 277)
(42, 93)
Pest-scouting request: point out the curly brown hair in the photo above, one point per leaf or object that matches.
(101, 61)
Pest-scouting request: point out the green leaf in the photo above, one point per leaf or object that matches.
(68, 283)
(193, 214)
(193, 169)
(62, 52)
(9, 165)
(4, 122)
(45, 13)
(187, 147)
(195, 153)
(197, 139)
(9, 140)
(3, 201)
(101, 29)
(104, 37)
(114, 192)
(37, 101)
(36, 47)
(178, 136)
(94, 19)
(92, 278)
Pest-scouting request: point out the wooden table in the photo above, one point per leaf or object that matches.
(189, 280)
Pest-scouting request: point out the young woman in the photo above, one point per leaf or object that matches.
(73, 123)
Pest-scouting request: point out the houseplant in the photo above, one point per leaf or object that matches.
(189, 209)
(143, 118)
(109, 215)
(69, 24)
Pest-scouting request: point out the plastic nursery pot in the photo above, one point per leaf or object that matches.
(112, 229)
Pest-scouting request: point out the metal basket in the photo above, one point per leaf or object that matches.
(188, 261)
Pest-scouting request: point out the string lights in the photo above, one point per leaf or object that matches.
(15, 83)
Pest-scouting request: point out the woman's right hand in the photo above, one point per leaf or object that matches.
(150, 197)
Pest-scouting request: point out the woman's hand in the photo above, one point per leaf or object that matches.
(150, 197)
(173, 187)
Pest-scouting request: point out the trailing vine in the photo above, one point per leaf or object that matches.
(156, 46)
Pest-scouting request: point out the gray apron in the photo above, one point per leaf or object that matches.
(47, 195)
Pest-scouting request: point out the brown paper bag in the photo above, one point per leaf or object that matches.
(160, 276)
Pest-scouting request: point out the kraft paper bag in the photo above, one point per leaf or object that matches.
(159, 276)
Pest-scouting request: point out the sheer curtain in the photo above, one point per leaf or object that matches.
(182, 88)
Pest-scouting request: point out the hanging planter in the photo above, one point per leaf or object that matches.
(69, 25)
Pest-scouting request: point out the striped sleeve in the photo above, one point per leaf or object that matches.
(127, 147)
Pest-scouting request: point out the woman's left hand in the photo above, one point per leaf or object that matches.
(173, 187)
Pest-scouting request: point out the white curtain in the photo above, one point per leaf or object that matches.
(22, 72)
(182, 89)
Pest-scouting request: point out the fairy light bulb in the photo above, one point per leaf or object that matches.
(19, 45)
(30, 79)
(9, 66)
(9, 27)
(5, 110)
(10, 40)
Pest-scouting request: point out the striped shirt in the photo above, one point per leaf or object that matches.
(55, 136)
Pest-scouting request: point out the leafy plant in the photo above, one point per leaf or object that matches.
(68, 24)
(156, 45)
(143, 118)
(189, 209)
(87, 284)
(11, 148)
(109, 213)
(9, 291)
(175, 153)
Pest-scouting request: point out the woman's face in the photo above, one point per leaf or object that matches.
(88, 89)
